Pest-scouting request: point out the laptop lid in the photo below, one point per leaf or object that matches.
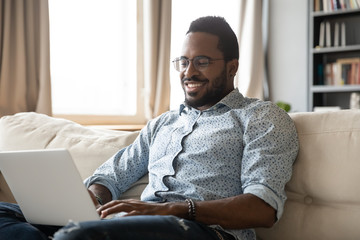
(47, 186)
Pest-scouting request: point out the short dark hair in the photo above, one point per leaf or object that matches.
(218, 26)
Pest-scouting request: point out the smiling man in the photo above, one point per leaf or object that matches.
(204, 86)
(217, 166)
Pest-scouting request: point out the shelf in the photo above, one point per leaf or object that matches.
(335, 49)
(320, 59)
(335, 13)
(344, 88)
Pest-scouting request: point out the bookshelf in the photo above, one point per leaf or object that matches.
(334, 52)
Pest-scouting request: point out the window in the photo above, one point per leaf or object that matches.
(93, 60)
(183, 13)
(93, 48)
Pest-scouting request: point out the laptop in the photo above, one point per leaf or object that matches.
(47, 186)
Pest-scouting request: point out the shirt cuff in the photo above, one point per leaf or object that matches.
(266, 194)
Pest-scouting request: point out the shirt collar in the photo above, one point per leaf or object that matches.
(231, 101)
(182, 108)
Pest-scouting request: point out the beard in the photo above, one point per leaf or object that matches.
(211, 96)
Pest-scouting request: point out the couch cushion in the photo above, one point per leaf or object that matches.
(89, 147)
(323, 193)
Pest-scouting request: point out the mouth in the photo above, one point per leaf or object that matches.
(193, 86)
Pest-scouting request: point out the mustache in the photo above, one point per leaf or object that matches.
(195, 79)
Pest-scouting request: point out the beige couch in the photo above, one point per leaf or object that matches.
(323, 194)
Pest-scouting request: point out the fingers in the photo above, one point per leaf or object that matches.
(132, 207)
(115, 206)
(133, 213)
(108, 208)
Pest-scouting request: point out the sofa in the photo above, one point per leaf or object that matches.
(323, 193)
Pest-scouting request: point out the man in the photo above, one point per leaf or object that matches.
(217, 166)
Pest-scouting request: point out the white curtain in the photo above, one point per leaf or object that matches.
(24, 57)
(156, 37)
(252, 78)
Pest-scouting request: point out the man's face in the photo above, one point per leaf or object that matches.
(205, 87)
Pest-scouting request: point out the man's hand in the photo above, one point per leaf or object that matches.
(135, 207)
(238, 212)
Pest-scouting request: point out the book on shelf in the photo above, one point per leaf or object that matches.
(318, 5)
(325, 34)
(320, 74)
(330, 73)
(348, 70)
(345, 71)
(335, 5)
(343, 34)
(322, 34)
(328, 34)
(336, 35)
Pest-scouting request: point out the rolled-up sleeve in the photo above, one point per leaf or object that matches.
(123, 169)
(270, 149)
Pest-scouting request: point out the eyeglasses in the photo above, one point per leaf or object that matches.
(200, 63)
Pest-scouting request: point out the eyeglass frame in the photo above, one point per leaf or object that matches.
(176, 60)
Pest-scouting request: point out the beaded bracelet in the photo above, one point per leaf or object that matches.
(192, 208)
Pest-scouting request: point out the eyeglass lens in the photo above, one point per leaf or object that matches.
(200, 63)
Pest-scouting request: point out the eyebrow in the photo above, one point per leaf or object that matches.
(195, 57)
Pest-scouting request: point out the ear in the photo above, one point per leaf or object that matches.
(232, 67)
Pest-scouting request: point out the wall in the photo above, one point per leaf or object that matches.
(287, 59)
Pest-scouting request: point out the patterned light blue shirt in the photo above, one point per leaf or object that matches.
(240, 145)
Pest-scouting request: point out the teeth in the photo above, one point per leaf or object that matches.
(193, 85)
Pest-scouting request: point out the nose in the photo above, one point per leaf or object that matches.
(191, 70)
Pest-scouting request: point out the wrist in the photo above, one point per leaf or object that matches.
(99, 199)
(178, 209)
(101, 193)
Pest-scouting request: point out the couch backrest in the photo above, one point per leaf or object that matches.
(323, 193)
